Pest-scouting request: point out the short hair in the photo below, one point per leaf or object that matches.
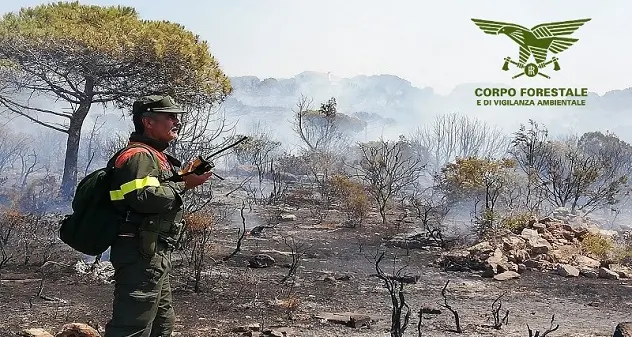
(137, 119)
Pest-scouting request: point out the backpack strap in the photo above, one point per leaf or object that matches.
(129, 226)
(111, 161)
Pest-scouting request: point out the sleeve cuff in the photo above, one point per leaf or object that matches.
(180, 187)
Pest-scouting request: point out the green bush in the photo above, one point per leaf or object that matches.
(597, 245)
(516, 222)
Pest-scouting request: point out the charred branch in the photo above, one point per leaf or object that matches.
(496, 307)
(240, 235)
(546, 332)
(457, 322)
(395, 289)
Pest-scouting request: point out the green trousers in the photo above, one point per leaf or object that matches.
(142, 293)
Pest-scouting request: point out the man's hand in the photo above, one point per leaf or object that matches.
(193, 180)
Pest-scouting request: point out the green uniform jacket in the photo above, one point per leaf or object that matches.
(139, 187)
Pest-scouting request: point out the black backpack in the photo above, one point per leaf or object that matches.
(94, 224)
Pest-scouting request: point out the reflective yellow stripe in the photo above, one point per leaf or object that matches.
(133, 185)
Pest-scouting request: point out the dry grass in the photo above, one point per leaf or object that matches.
(516, 222)
(353, 197)
(597, 245)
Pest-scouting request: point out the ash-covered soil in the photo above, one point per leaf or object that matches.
(336, 275)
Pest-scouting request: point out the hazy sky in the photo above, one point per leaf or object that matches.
(429, 43)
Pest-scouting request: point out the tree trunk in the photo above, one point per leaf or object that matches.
(69, 178)
(383, 212)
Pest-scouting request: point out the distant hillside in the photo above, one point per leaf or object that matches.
(388, 102)
(389, 105)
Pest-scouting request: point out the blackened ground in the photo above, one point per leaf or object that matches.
(234, 295)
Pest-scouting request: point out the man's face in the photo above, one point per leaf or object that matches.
(162, 126)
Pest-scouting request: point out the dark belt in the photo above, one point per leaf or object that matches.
(162, 244)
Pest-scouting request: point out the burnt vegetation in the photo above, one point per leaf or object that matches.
(273, 242)
(404, 183)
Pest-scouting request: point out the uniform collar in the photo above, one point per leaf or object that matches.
(156, 144)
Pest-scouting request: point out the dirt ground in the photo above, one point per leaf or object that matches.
(336, 275)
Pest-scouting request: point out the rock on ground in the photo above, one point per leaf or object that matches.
(508, 275)
(567, 270)
(548, 244)
(68, 330)
(36, 332)
(77, 330)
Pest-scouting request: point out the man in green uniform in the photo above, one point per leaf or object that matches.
(141, 255)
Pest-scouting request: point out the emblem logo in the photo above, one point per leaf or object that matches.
(536, 42)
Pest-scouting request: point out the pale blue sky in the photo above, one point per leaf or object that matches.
(429, 43)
